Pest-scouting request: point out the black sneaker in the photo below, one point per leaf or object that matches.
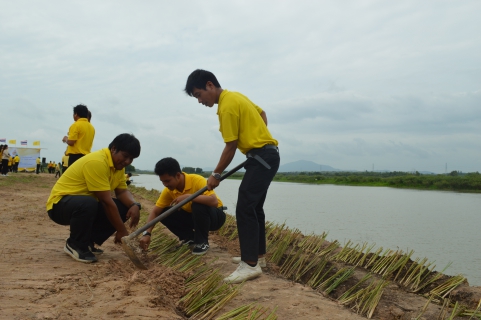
(95, 251)
(200, 249)
(82, 256)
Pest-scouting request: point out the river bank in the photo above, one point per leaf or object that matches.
(40, 281)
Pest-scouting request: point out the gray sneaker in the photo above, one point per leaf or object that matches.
(260, 261)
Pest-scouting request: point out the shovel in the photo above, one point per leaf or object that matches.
(126, 240)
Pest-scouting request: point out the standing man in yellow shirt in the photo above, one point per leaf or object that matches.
(243, 126)
(38, 165)
(16, 161)
(80, 135)
(64, 162)
(81, 198)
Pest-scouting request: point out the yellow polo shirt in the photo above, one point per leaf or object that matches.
(93, 172)
(38, 161)
(83, 132)
(239, 119)
(9, 161)
(17, 159)
(65, 161)
(193, 183)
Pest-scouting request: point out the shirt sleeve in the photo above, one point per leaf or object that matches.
(165, 199)
(73, 132)
(229, 126)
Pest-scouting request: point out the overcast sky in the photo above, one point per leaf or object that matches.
(350, 84)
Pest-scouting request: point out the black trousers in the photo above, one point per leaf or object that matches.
(4, 166)
(251, 220)
(38, 168)
(86, 218)
(74, 157)
(196, 225)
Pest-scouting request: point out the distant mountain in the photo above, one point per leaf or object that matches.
(304, 165)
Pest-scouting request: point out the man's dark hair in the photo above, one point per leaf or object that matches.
(198, 79)
(126, 142)
(81, 110)
(168, 166)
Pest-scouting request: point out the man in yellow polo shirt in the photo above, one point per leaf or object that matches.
(196, 218)
(38, 165)
(80, 135)
(16, 161)
(82, 198)
(243, 126)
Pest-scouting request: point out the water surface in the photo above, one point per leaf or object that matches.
(441, 226)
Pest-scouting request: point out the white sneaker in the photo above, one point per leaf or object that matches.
(244, 272)
(261, 261)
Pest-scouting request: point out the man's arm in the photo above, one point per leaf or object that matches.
(145, 240)
(264, 116)
(208, 200)
(225, 159)
(69, 142)
(127, 199)
(112, 214)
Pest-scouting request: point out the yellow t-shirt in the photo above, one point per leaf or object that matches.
(193, 183)
(83, 132)
(38, 161)
(93, 172)
(17, 159)
(239, 119)
(9, 161)
(65, 161)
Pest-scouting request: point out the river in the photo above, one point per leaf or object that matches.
(439, 225)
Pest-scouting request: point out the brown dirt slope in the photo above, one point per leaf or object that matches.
(39, 281)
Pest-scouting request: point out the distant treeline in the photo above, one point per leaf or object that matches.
(454, 181)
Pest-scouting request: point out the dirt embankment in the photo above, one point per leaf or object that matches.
(39, 281)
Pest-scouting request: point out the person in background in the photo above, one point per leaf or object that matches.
(10, 164)
(39, 162)
(243, 126)
(196, 218)
(80, 135)
(5, 157)
(127, 178)
(16, 161)
(1, 156)
(64, 162)
(81, 198)
(57, 170)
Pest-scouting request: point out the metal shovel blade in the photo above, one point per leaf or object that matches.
(126, 240)
(131, 254)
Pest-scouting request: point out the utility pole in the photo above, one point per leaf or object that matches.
(446, 169)
(373, 167)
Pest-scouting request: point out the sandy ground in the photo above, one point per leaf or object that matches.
(40, 281)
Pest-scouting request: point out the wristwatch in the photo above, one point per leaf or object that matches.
(146, 233)
(216, 175)
(136, 204)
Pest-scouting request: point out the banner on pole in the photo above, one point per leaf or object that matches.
(12, 141)
(23, 142)
(36, 143)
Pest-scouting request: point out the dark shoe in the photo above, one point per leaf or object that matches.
(95, 251)
(79, 255)
(200, 249)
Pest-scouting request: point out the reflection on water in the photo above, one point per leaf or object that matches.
(441, 226)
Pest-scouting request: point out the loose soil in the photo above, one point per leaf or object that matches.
(40, 281)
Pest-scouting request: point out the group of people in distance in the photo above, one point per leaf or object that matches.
(82, 197)
(9, 163)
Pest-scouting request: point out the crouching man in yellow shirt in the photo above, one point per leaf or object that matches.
(82, 198)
